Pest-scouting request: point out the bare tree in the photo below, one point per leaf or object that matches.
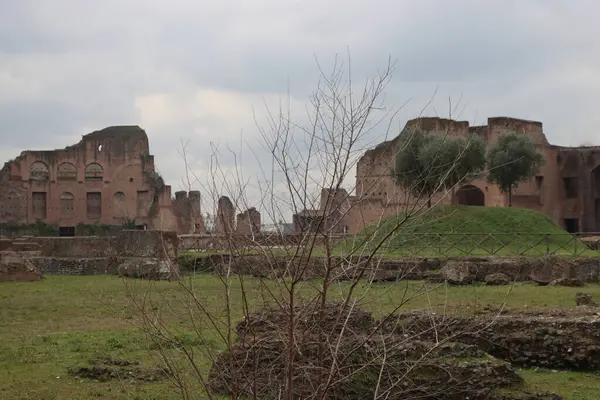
(315, 284)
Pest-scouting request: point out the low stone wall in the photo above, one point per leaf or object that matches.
(517, 269)
(222, 242)
(75, 266)
(76, 247)
(132, 253)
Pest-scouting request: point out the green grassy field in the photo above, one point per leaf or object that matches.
(464, 230)
(48, 326)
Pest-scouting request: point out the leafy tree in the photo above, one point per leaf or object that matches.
(512, 159)
(456, 159)
(428, 162)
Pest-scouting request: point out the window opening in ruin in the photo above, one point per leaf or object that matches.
(119, 204)
(66, 231)
(67, 205)
(38, 205)
(94, 204)
(571, 187)
(143, 203)
(100, 148)
(66, 172)
(39, 171)
(572, 225)
(539, 181)
(94, 172)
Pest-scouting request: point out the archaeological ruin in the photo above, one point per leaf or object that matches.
(567, 187)
(108, 178)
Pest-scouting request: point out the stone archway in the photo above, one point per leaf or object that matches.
(470, 195)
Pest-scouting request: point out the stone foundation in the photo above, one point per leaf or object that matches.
(515, 269)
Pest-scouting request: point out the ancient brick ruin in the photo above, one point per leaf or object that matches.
(248, 222)
(109, 177)
(567, 187)
(225, 222)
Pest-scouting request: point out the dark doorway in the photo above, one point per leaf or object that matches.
(572, 225)
(470, 195)
(66, 231)
(140, 227)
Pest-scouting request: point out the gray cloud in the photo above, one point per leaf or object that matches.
(194, 70)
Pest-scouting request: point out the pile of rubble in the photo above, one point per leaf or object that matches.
(556, 339)
(342, 350)
(16, 266)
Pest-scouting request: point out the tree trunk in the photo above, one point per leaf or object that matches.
(453, 196)
(510, 195)
(429, 202)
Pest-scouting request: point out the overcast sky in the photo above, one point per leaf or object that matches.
(194, 70)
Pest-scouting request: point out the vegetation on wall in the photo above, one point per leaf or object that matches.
(39, 228)
(512, 159)
(427, 163)
(102, 229)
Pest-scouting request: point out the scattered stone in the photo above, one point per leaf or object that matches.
(458, 272)
(496, 279)
(15, 267)
(148, 268)
(585, 299)
(570, 282)
(559, 339)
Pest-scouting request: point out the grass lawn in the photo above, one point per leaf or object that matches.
(63, 321)
(467, 230)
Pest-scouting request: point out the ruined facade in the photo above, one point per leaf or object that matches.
(107, 178)
(248, 222)
(567, 187)
(188, 212)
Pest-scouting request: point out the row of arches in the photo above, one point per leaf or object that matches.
(66, 171)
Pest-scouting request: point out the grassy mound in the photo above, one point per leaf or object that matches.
(465, 230)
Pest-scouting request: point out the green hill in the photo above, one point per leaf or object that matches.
(465, 230)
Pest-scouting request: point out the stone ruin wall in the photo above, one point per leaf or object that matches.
(377, 196)
(94, 255)
(108, 177)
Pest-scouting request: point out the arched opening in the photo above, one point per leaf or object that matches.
(119, 205)
(94, 172)
(470, 195)
(66, 172)
(39, 171)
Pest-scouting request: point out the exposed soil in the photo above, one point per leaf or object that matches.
(109, 369)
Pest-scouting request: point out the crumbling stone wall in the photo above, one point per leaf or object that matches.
(554, 339)
(131, 253)
(378, 196)
(225, 223)
(586, 269)
(248, 222)
(107, 178)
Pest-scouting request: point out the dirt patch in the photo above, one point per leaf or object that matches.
(110, 369)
